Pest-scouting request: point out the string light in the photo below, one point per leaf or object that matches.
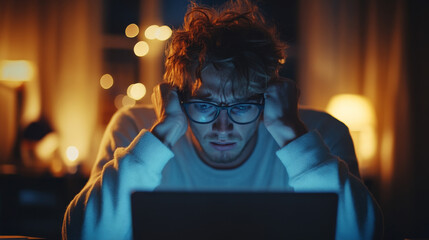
(141, 48)
(106, 81)
(150, 32)
(164, 33)
(136, 91)
(161, 33)
(132, 30)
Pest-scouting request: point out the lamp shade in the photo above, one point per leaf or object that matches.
(358, 114)
(354, 110)
(14, 72)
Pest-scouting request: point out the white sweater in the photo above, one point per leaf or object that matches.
(131, 158)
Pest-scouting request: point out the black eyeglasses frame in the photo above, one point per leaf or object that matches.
(224, 107)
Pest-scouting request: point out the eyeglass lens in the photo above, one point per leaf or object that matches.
(204, 112)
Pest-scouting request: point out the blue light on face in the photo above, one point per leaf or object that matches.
(241, 108)
(203, 107)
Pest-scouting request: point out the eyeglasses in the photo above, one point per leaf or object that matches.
(206, 112)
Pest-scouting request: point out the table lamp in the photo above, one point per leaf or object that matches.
(13, 75)
(357, 112)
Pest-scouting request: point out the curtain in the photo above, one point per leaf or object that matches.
(18, 41)
(357, 47)
(63, 40)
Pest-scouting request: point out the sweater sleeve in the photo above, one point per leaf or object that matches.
(335, 135)
(313, 168)
(102, 210)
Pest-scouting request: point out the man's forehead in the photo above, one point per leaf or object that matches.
(223, 96)
(217, 85)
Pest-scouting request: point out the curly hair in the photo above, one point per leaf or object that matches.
(234, 35)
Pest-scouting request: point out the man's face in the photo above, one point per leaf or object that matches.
(222, 143)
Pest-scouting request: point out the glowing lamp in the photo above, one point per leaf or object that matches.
(358, 114)
(355, 111)
(15, 72)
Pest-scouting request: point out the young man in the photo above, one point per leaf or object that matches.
(222, 121)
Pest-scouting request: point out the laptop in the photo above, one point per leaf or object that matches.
(233, 215)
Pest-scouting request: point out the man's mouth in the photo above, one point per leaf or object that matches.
(223, 146)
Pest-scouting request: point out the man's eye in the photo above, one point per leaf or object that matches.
(241, 108)
(203, 107)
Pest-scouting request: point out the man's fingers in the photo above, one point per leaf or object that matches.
(282, 94)
(280, 83)
(282, 88)
(161, 92)
(166, 100)
(172, 122)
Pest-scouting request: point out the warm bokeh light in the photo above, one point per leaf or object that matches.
(106, 81)
(16, 70)
(136, 91)
(72, 153)
(151, 32)
(358, 114)
(161, 33)
(141, 48)
(132, 30)
(164, 33)
(355, 111)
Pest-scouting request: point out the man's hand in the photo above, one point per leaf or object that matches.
(172, 122)
(281, 112)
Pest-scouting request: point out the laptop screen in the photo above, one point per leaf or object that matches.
(228, 215)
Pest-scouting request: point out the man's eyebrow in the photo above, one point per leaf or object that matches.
(204, 96)
(208, 97)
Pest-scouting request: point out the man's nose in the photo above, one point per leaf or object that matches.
(222, 123)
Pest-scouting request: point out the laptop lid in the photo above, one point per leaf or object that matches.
(233, 215)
